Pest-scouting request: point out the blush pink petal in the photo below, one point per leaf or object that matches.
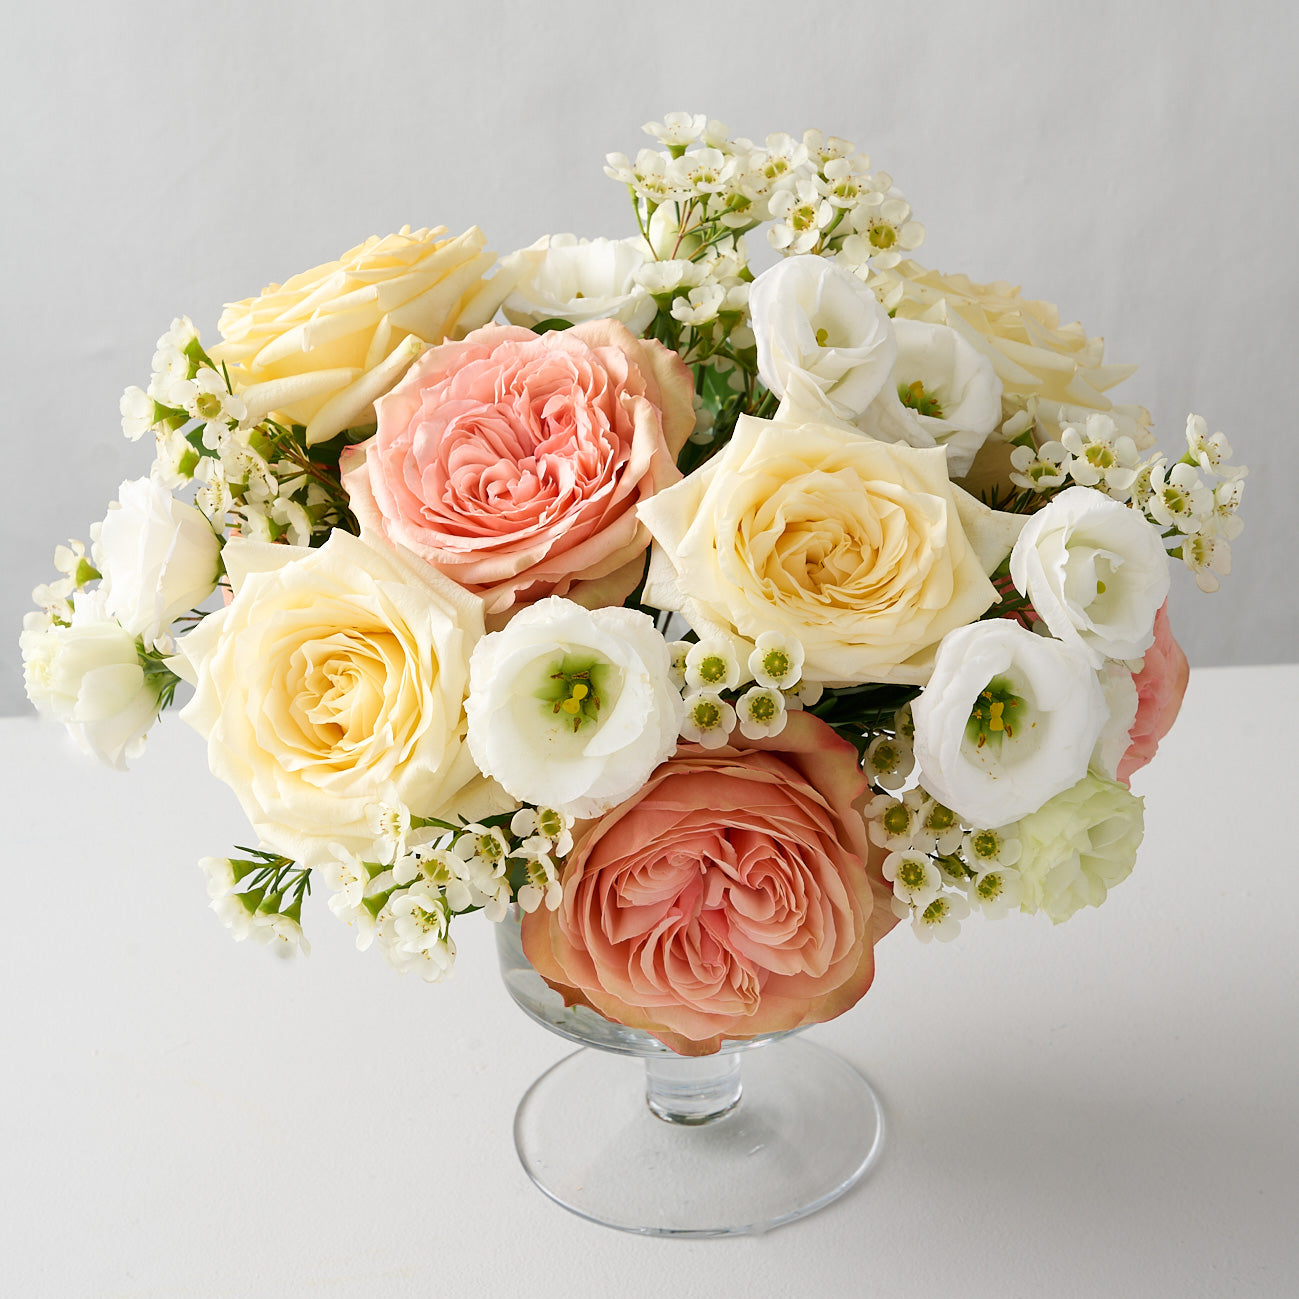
(734, 896)
(513, 463)
(1160, 684)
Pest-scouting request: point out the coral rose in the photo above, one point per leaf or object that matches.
(513, 462)
(1160, 684)
(734, 896)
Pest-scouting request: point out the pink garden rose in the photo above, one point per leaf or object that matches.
(735, 895)
(1160, 684)
(513, 462)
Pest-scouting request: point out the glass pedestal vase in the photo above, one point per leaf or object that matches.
(627, 1133)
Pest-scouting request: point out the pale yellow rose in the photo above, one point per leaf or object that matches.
(863, 550)
(320, 348)
(335, 680)
(1056, 367)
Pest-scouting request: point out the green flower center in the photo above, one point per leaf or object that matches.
(935, 911)
(574, 688)
(208, 405)
(883, 236)
(913, 394)
(762, 708)
(706, 715)
(995, 715)
(712, 669)
(550, 823)
(985, 844)
(912, 873)
(990, 887)
(775, 663)
(897, 819)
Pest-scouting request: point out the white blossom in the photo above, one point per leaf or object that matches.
(1096, 572)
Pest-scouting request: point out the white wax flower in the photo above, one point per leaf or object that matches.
(1078, 846)
(572, 708)
(1008, 720)
(579, 279)
(159, 557)
(1096, 571)
(87, 675)
(952, 389)
(821, 334)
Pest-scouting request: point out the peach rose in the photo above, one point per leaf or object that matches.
(1160, 684)
(513, 462)
(735, 895)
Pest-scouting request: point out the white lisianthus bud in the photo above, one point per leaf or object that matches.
(1008, 720)
(572, 708)
(579, 279)
(1096, 571)
(821, 334)
(159, 557)
(88, 676)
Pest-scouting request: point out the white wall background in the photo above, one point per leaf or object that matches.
(1133, 162)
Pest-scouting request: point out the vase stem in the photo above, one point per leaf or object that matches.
(692, 1089)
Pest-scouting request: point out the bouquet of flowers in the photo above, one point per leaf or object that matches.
(715, 621)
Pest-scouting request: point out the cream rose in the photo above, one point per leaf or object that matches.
(862, 550)
(334, 680)
(320, 348)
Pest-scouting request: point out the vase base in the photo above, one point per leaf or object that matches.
(807, 1127)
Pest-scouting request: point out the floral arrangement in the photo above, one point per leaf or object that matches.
(713, 620)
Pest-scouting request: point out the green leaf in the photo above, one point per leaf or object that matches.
(551, 323)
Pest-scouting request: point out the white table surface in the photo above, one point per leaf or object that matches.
(1104, 1108)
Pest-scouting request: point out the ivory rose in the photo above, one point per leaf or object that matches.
(318, 349)
(1160, 684)
(334, 680)
(513, 463)
(735, 895)
(862, 550)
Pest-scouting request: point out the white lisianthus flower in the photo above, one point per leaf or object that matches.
(334, 680)
(1078, 846)
(821, 336)
(572, 708)
(88, 676)
(1096, 571)
(952, 389)
(579, 279)
(1008, 720)
(159, 557)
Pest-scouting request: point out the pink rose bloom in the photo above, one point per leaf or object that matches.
(513, 462)
(735, 895)
(1160, 684)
